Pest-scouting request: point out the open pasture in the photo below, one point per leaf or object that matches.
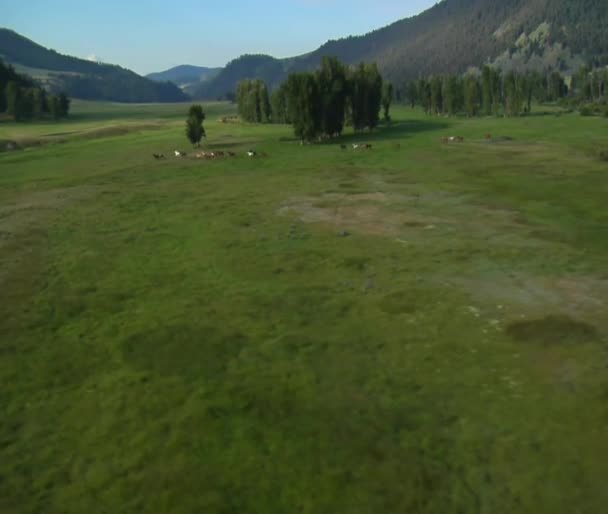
(419, 327)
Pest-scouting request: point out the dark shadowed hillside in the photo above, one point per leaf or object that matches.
(81, 78)
(247, 66)
(455, 35)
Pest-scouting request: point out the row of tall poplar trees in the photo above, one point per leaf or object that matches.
(319, 104)
(489, 93)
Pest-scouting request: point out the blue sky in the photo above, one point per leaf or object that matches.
(156, 35)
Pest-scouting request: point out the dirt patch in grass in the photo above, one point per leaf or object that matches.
(552, 329)
(26, 218)
(363, 213)
(583, 297)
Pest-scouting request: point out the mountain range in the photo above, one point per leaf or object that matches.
(82, 78)
(450, 37)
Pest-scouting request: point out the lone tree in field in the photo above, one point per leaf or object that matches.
(194, 125)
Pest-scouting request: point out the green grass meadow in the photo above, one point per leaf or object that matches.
(417, 328)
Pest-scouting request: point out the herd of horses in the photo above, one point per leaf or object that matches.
(209, 155)
(253, 153)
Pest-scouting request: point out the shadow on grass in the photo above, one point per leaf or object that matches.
(386, 132)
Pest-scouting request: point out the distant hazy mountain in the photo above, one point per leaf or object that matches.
(452, 36)
(82, 78)
(187, 77)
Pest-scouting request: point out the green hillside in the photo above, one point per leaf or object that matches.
(455, 35)
(272, 70)
(81, 78)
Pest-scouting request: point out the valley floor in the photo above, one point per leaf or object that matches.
(420, 327)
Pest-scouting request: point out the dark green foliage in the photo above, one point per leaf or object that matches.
(194, 125)
(13, 99)
(411, 93)
(425, 95)
(486, 90)
(40, 102)
(253, 101)
(365, 97)
(387, 99)
(451, 92)
(436, 83)
(304, 101)
(9, 75)
(513, 94)
(471, 95)
(557, 86)
(197, 112)
(279, 105)
(333, 89)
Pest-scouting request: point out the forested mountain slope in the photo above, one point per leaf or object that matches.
(454, 35)
(81, 78)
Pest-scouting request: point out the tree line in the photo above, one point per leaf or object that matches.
(490, 92)
(23, 100)
(493, 92)
(320, 104)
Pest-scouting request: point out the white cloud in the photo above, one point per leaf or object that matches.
(93, 58)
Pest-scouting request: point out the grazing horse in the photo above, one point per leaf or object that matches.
(231, 154)
(343, 147)
(251, 153)
(179, 154)
(158, 156)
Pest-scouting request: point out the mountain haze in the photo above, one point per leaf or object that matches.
(81, 78)
(188, 78)
(451, 37)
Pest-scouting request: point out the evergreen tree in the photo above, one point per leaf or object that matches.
(513, 94)
(278, 102)
(412, 93)
(486, 90)
(471, 95)
(497, 91)
(424, 95)
(333, 89)
(264, 99)
(64, 105)
(387, 98)
(451, 94)
(557, 86)
(14, 103)
(40, 105)
(436, 83)
(366, 97)
(194, 125)
(304, 101)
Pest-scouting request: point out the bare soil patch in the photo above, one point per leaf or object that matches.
(363, 213)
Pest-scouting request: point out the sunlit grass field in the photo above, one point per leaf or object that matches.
(417, 328)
